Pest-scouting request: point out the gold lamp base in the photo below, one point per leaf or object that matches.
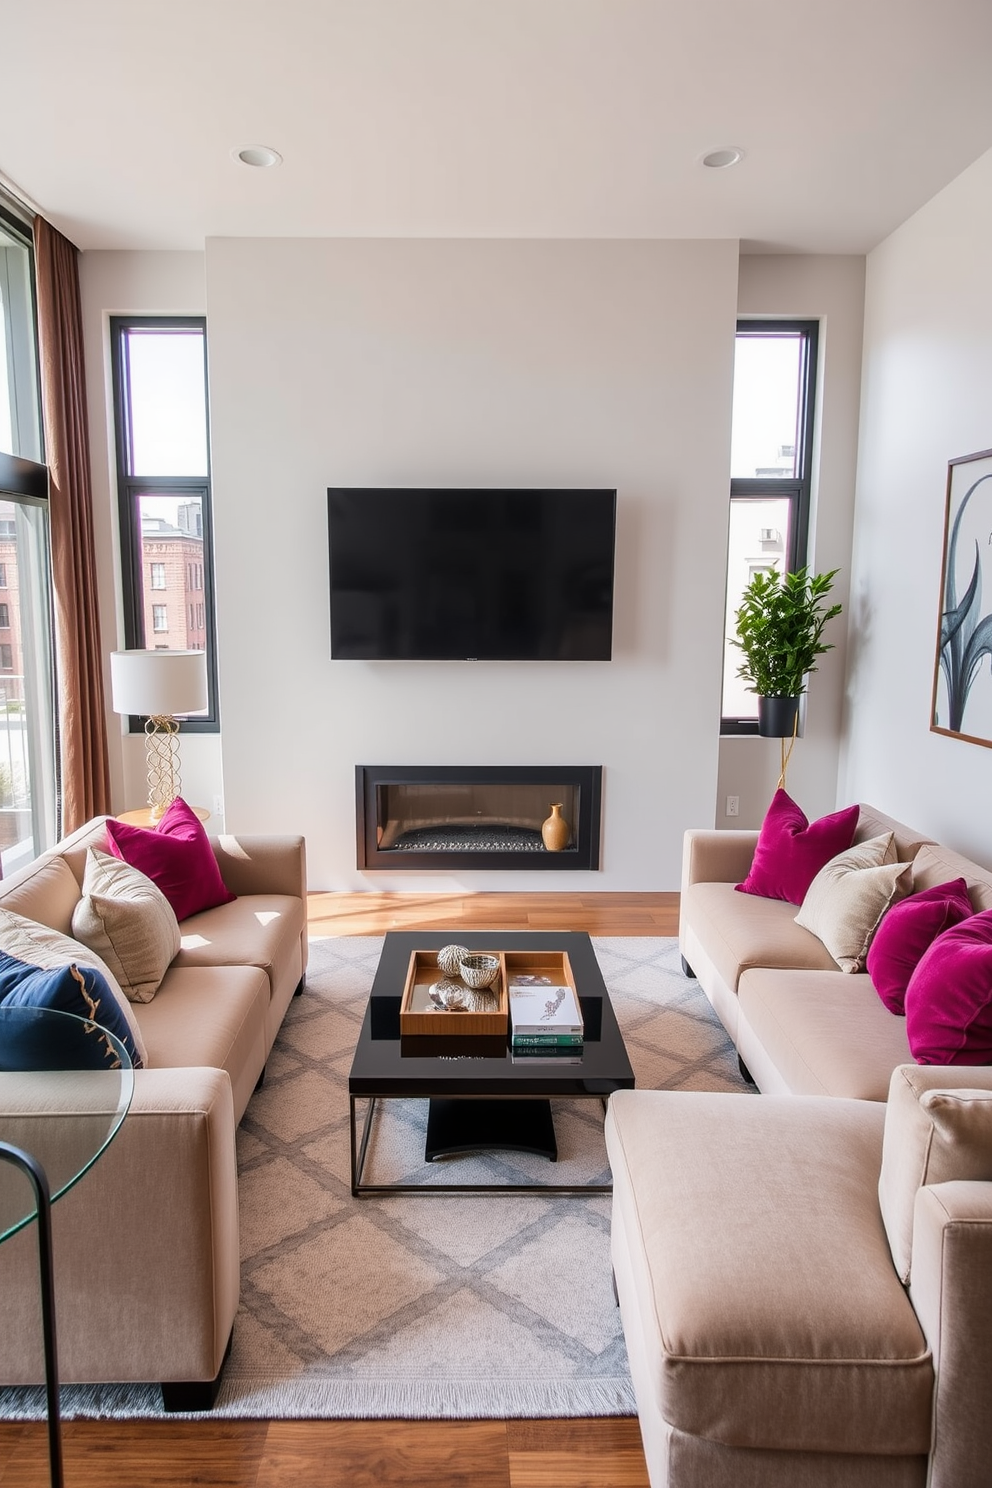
(162, 764)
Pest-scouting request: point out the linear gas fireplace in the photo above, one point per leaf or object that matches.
(474, 816)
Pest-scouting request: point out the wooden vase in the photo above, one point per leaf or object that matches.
(556, 830)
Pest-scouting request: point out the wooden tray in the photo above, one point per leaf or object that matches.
(416, 1016)
(553, 964)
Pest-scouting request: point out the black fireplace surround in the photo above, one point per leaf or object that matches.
(475, 816)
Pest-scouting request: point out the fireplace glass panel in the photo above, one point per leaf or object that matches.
(471, 817)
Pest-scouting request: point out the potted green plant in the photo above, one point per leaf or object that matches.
(780, 626)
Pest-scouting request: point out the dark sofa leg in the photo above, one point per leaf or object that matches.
(300, 988)
(616, 1294)
(745, 1071)
(194, 1395)
(687, 968)
(261, 1079)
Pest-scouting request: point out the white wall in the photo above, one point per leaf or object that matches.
(547, 363)
(133, 284)
(927, 398)
(830, 289)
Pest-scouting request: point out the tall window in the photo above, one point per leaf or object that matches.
(770, 476)
(28, 768)
(163, 477)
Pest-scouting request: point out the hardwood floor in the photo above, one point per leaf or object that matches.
(603, 1453)
(600, 914)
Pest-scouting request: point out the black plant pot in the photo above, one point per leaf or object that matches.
(777, 717)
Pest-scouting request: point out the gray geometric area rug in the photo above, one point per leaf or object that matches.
(433, 1306)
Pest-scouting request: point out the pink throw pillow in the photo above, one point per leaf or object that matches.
(791, 851)
(176, 855)
(906, 931)
(949, 997)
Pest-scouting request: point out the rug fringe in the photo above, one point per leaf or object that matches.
(362, 1400)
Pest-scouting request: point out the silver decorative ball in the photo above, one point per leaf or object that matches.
(449, 959)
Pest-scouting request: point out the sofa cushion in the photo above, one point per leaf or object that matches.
(933, 1134)
(848, 897)
(773, 1314)
(907, 929)
(791, 850)
(949, 996)
(80, 990)
(256, 930)
(213, 1017)
(739, 933)
(46, 891)
(177, 856)
(908, 841)
(37, 944)
(935, 864)
(819, 1033)
(128, 921)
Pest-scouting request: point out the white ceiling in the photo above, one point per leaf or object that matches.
(491, 118)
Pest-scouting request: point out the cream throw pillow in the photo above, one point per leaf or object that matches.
(931, 1136)
(36, 944)
(128, 921)
(849, 896)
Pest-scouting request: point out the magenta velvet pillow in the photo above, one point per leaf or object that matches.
(906, 931)
(176, 855)
(791, 851)
(949, 997)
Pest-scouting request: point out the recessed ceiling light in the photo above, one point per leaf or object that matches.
(721, 159)
(257, 155)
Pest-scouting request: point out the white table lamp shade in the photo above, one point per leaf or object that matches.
(158, 684)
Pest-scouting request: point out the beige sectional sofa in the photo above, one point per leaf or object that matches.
(801, 1025)
(805, 1278)
(146, 1245)
(806, 1283)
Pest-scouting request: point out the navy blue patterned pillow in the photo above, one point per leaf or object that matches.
(70, 989)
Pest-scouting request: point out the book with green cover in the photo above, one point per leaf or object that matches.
(546, 1040)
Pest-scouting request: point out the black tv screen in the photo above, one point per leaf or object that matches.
(482, 575)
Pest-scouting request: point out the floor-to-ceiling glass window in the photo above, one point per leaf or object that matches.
(28, 772)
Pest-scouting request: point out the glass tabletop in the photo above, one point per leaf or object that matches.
(65, 1087)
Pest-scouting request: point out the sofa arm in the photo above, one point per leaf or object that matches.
(145, 1245)
(262, 865)
(716, 857)
(951, 1290)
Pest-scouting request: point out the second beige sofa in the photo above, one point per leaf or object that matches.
(801, 1025)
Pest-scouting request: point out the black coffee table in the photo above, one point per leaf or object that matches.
(481, 1099)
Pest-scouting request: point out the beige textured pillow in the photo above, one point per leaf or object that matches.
(39, 946)
(128, 921)
(932, 1135)
(849, 896)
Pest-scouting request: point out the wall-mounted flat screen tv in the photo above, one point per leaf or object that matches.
(471, 575)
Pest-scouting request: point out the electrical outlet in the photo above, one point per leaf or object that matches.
(218, 805)
(733, 805)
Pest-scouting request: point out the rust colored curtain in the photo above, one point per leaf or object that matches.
(84, 766)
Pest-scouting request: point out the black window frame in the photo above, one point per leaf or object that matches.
(130, 490)
(796, 489)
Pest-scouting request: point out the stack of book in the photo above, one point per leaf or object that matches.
(545, 1022)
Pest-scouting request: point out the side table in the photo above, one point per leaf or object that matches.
(142, 816)
(60, 1106)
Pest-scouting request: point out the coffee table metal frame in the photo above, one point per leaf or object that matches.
(383, 1069)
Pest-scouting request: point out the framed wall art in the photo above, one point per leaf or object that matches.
(962, 681)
